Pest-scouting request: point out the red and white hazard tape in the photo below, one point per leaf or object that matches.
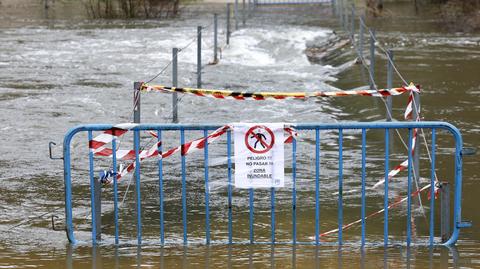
(390, 206)
(234, 95)
(404, 165)
(98, 146)
(185, 149)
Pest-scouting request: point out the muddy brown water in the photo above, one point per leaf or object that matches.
(59, 70)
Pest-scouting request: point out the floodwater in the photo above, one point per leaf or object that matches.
(58, 70)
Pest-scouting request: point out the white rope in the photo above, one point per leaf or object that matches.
(362, 59)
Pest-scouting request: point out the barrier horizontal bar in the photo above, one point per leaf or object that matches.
(298, 126)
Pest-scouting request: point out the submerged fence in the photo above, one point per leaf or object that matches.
(230, 201)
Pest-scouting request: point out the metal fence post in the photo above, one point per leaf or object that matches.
(352, 31)
(136, 119)
(389, 86)
(372, 59)
(333, 7)
(215, 38)
(340, 13)
(235, 14)
(389, 83)
(136, 102)
(244, 10)
(345, 17)
(416, 116)
(250, 8)
(199, 56)
(229, 8)
(360, 37)
(445, 211)
(174, 84)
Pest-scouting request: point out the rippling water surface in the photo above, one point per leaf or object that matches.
(58, 70)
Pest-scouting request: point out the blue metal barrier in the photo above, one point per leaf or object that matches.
(341, 128)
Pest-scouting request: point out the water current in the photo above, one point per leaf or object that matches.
(59, 70)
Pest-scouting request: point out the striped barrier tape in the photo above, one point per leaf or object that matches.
(97, 145)
(390, 206)
(236, 95)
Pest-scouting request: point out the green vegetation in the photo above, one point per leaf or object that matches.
(132, 8)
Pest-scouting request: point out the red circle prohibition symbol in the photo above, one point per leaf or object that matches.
(259, 139)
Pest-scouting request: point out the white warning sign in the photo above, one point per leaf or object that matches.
(259, 155)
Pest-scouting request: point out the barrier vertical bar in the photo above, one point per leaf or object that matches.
(332, 2)
(136, 137)
(244, 19)
(229, 8)
(95, 197)
(294, 191)
(272, 215)
(175, 84)
(229, 187)
(385, 196)
(115, 186)
(364, 161)
(317, 186)
(136, 102)
(409, 189)
(340, 186)
(184, 187)
(199, 56)
(207, 189)
(432, 186)
(215, 38)
(445, 211)
(235, 14)
(250, 200)
(372, 59)
(160, 188)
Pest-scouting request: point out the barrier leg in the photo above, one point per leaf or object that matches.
(445, 211)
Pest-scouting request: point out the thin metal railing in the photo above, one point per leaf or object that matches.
(315, 239)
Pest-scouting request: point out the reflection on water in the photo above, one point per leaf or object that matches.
(255, 256)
